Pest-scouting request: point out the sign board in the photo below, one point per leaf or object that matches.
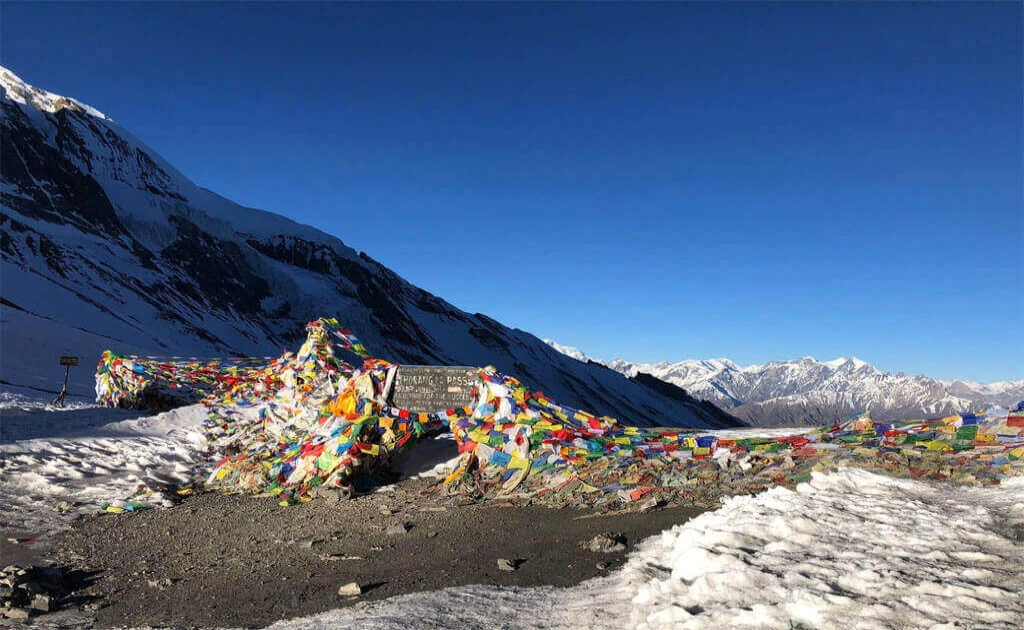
(431, 388)
(69, 360)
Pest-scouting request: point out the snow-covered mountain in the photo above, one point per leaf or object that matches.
(569, 352)
(1004, 393)
(105, 244)
(807, 391)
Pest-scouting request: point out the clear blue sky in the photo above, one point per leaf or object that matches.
(653, 182)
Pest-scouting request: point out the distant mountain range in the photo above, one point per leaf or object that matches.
(106, 245)
(811, 392)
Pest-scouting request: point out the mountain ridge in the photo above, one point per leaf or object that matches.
(105, 244)
(809, 391)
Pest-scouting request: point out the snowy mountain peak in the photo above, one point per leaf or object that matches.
(852, 363)
(569, 351)
(719, 364)
(808, 391)
(21, 92)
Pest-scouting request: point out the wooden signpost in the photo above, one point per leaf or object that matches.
(431, 388)
(67, 362)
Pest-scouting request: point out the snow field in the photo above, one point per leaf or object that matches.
(85, 461)
(851, 549)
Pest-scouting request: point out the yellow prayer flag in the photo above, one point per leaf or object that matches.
(518, 462)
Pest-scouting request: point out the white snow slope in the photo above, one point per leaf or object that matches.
(850, 550)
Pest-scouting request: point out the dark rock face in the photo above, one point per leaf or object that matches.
(92, 214)
(50, 186)
(675, 392)
(217, 267)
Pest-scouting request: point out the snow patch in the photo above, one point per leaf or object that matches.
(91, 456)
(851, 549)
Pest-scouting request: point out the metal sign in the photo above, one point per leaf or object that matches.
(431, 388)
(67, 362)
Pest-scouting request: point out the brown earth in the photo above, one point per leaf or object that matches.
(234, 560)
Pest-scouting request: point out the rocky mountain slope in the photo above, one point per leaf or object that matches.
(105, 244)
(808, 392)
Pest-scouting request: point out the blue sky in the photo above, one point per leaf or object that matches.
(653, 182)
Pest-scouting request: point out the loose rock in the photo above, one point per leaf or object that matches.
(41, 602)
(608, 542)
(26, 590)
(350, 590)
(397, 530)
(17, 613)
(333, 495)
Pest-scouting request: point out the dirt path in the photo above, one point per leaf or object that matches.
(218, 560)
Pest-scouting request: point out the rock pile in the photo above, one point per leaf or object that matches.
(28, 591)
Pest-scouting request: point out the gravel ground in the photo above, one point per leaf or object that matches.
(244, 561)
